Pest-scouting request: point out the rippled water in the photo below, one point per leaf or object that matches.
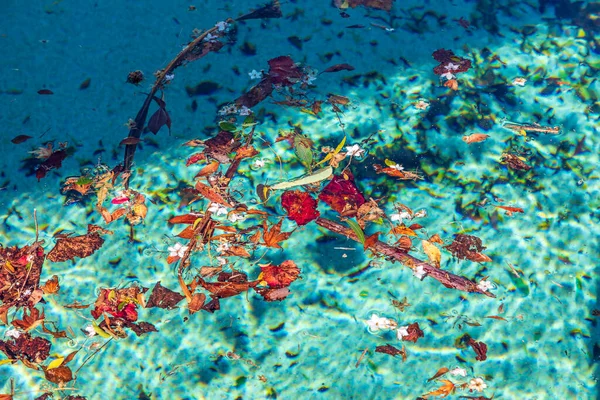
(540, 329)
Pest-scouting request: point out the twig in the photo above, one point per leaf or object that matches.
(361, 357)
(448, 279)
(90, 356)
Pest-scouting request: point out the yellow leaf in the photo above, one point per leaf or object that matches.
(101, 332)
(336, 151)
(433, 253)
(2, 362)
(56, 363)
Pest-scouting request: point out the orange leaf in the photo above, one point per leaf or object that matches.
(255, 238)
(236, 251)
(440, 372)
(475, 138)
(496, 317)
(433, 253)
(185, 219)
(211, 194)
(187, 233)
(403, 230)
(274, 236)
(404, 243)
(452, 84)
(371, 240)
(478, 257)
(208, 169)
(436, 239)
(279, 276)
(118, 213)
(245, 152)
(443, 391)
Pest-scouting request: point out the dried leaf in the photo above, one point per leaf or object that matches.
(225, 289)
(274, 236)
(391, 350)
(211, 194)
(163, 297)
(339, 67)
(279, 276)
(445, 390)
(442, 371)
(269, 294)
(20, 139)
(60, 375)
(51, 286)
(67, 248)
(433, 253)
(403, 230)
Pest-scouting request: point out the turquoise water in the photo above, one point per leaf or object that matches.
(312, 344)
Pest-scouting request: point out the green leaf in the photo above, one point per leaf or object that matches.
(303, 150)
(227, 126)
(83, 180)
(101, 332)
(249, 121)
(357, 230)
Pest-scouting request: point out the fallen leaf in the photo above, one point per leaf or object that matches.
(446, 389)
(339, 67)
(67, 248)
(475, 138)
(274, 236)
(433, 253)
(163, 297)
(442, 371)
(278, 276)
(20, 139)
(391, 350)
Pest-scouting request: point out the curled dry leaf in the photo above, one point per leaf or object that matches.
(29, 321)
(67, 248)
(269, 294)
(59, 375)
(414, 333)
(51, 286)
(514, 162)
(445, 390)
(209, 169)
(222, 290)
(403, 230)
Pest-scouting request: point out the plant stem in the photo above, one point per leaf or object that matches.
(448, 279)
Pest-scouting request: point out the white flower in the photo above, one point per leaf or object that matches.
(419, 272)
(402, 332)
(448, 75)
(89, 331)
(354, 151)
(254, 74)
(228, 109)
(235, 217)
(169, 77)
(452, 67)
(223, 247)
(519, 81)
(311, 75)
(221, 260)
(177, 250)
(222, 26)
(217, 209)
(477, 384)
(458, 372)
(13, 333)
(421, 213)
(258, 163)
(422, 105)
(397, 167)
(484, 285)
(379, 323)
(399, 217)
(210, 38)
(245, 111)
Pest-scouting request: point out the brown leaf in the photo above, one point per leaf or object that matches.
(414, 333)
(67, 248)
(129, 141)
(436, 239)
(185, 219)
(20, 139)
(403, 230)
(371, 241)
(467, 247)
(59, 375)
(237, 251)
(247, 151)
(196, 303)
(278, 276)
(225, 289)
(211, 194)
(29, 321)
(163, 297)
(339, 67)
(273, 236)
(391, 350)
(404, 243)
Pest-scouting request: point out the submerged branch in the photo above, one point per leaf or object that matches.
(448, 279)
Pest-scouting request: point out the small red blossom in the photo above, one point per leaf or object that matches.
(342, 195)
(120, 303)
(300, 206)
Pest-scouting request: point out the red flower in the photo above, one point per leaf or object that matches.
(300, 206)
(279, 276)
(283, 71)
(342, 195)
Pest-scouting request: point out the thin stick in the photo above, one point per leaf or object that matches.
(37, 229)
(90, 356)
(361, 357)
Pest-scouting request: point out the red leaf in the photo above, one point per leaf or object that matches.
(342, 195)
(279, 276)
(300, 206)
(283, 71)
